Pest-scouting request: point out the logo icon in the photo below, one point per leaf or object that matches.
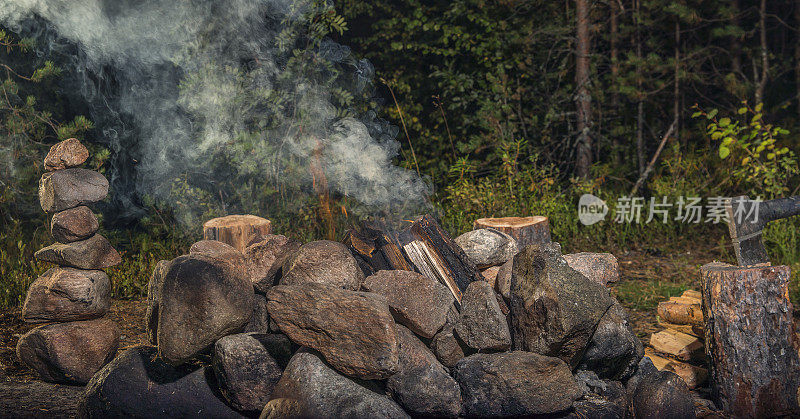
(591, 209)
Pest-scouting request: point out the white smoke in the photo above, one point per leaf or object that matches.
(196, 79)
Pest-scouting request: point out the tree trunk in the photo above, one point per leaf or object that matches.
(736, 44)
(676, 99)
(525, 230)
(750, 338)
(762, 25)
(797, 53)
(615, 72)
(640, 149)
(238, 231)
(583, 99)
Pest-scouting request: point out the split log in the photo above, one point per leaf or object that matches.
(695, 330)
(693, 376)
(376, 250)
(238, 231)
(693, 294)
(525, 230)
(750, 338)
(681, 310)
(421, 245)
(678, 345)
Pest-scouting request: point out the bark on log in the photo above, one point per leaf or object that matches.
(525, 230)
(680, 310)
(238, 231)
(750, 338)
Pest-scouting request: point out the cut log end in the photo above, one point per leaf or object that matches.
(525, 230)
(238, 231)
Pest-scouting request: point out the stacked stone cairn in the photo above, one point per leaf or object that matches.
(73, 297)
(286, 329)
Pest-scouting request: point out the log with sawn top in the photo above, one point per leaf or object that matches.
(750, 337)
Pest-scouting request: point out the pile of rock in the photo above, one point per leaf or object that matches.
(74, 296)
(290, 330)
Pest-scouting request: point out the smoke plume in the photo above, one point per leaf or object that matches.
(213, 93)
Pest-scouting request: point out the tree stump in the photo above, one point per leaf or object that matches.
(750, 339)
(236, 230)
(525, 230)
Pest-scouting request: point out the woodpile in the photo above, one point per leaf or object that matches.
(679, 347)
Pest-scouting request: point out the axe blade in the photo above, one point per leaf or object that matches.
(746, 233)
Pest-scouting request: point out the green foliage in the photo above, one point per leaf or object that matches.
(759, 163)
(26, 128)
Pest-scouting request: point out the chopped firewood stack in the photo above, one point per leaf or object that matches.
(73, 297)
(679, 347)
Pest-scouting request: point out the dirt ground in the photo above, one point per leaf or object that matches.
(22, 395)
(643, 278)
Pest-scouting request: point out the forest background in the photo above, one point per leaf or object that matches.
(505, 107)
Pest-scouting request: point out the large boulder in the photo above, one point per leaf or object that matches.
(153, 299)
(482, 325)
(74, 224)
(662, 395)
(202, 298)
(554, 308)
(416, 301)
(322, 262)
(138, 384)
(614, 350)
(422, 385)
(515, 384)
(66, 154)
(354, 331)
(487, 247)
(69, 352)
(93, 253)
(67, 294)
(69, 188)
(602, 268)
(322, 392)
(247, 367)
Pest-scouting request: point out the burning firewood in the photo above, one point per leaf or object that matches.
(420, 245)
